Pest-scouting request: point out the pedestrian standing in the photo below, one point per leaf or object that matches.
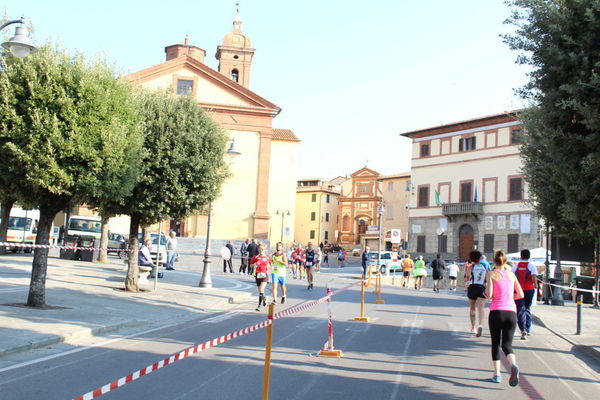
(502, 287)
(407, 267)
(309, 261)
(244, 255)
(171, 250)
(420, 273)
(476, 274)
(252, 252)
(365, 261)
(526, 273)
(326, 257)
(261, 265)
(278, 274)
(453, 275)
(226, 257)
(437, 272)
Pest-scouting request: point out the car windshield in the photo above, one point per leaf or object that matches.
(384, 256)
(154, 237)
(85, 225)
(19, 223)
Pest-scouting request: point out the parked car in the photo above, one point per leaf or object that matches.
(356, 251)
(115, 241)
(388, 261)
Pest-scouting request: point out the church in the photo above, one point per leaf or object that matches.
(264, 172)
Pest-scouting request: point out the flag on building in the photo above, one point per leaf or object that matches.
(437, 198)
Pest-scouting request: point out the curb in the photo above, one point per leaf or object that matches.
(85, 332)
(588, 350)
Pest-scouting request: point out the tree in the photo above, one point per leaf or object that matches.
(561, 152)
(69, 132)
(182, 167)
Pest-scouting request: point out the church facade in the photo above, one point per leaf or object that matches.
(264, 173)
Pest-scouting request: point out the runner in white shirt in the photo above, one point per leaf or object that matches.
(453, 274)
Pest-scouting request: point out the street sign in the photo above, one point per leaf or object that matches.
(373, 228)
(287, 231)
(395, 236)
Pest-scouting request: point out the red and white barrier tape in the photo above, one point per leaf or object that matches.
(571, 288)
(51, 246)
(201, 347)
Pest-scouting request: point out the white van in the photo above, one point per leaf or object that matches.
(22, 228)
(86, 227)
(388, 261)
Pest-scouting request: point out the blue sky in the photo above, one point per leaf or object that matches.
(349, 75)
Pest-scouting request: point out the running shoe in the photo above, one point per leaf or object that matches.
(497, 379)
(479, 331)
(473, 330)
(523, 335)
(283, 300)
(257, 308)
(274, 301)
(514, 375)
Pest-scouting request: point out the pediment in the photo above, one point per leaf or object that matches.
(365, 172)
(210, 87)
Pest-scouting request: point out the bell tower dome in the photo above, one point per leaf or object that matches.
(235, 54)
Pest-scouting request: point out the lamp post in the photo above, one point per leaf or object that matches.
(283, 213)
(380, 210)
(206, 280)
(547, 263)
(20, 45)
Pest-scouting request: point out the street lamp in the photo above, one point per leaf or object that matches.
(206, 280)
(21, 44)
(283, 213)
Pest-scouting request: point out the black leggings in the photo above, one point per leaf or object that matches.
(502, 328)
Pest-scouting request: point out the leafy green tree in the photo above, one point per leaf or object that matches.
(182, 167)
(69, 132)
(559, 40)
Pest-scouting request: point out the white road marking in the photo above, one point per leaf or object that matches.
(453, 329)
(221, 317)
(411, 332)
(13, 289)
(414, 326)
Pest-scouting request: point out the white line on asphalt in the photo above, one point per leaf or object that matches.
(13, 289)
(412, 327)
(394, 394)
(220, 317)
(557, 375)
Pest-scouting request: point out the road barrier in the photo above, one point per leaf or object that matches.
(378, 290)
(362, 317)
(328, 350)
(215, 342)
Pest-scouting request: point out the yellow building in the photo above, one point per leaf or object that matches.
(316, 211)
(395, 192)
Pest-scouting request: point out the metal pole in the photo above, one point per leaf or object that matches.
(157, 255)
(206, 280)
(546, 290)
(362, 317)
(579, 302)
(267, 372)
(557, 297)
(597, 280)
(282, 216)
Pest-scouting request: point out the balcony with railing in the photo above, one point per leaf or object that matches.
(465, 208)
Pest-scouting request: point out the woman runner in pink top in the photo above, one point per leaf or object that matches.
(502, 287)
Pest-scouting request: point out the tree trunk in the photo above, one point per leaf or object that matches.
(37, 285)
(5, 208)
(103, 253)
(145, 233)
(131, 281)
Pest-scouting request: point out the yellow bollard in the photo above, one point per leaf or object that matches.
(369, 281)
(267, 373)
(362, 317)
(377, 283)
(379, 299)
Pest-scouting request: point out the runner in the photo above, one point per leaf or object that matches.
(437, 272)
(407, 267)
(326, 257)
(298, 262)
(475, 292)
(420, 273)
(278, 274)
(453, 275)
(503, 288)
(318, 260)
(341, 256)
(290, 258)
(309, 262)
(261, 264)
(526, 273)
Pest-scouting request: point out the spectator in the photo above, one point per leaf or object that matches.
(171, 250)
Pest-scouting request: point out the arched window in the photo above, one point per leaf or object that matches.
(235, 75)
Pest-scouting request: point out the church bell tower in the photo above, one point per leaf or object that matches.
(235, 54)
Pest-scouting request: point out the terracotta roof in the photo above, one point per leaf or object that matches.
(285, 134)
(402, 175)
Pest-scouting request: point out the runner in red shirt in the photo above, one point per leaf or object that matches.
(262, 266)
(299, 262)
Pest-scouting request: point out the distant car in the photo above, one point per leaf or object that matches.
(388, 261)
(356, 251)
(163, 247)
(115, 241)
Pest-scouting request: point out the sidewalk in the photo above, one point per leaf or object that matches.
(87, 299)
(562, 321)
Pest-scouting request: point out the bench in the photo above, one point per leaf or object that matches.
(144, 272)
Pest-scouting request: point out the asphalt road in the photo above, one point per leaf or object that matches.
(415, 347)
